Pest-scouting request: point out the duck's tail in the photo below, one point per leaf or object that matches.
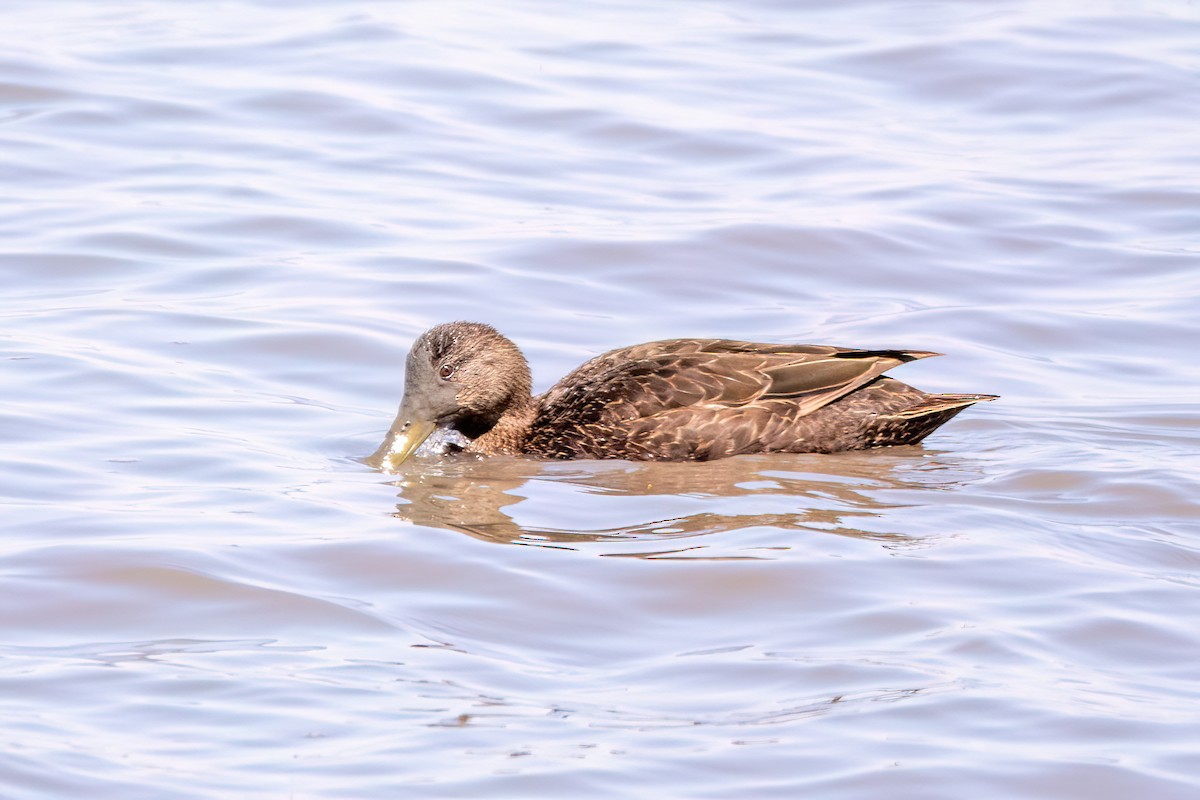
(912, 424)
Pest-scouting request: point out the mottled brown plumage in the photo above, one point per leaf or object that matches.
(674, 400)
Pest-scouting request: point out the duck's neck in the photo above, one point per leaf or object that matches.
(507, 436)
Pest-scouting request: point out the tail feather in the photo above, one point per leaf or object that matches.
(912, 424)
(935, 403)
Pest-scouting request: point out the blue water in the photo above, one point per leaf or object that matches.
(224, 225)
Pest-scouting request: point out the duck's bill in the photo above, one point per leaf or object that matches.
(405, 437)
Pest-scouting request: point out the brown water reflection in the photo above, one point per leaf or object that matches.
(841, 494)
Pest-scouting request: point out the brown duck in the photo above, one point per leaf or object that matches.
(675, 400)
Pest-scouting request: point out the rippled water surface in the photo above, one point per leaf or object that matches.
(224, 223)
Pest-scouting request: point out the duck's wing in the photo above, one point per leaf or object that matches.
(649, 379)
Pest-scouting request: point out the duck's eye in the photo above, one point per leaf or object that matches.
(445, 371)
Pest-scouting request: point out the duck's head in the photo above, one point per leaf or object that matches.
(460, 378)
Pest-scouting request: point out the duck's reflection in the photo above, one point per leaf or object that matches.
(561, 504)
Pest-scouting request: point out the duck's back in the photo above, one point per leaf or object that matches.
(709, 398)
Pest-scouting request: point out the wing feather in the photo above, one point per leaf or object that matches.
(624, 392)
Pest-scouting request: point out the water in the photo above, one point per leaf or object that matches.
(224, 223)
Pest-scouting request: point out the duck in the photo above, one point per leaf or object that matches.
(467, 389)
